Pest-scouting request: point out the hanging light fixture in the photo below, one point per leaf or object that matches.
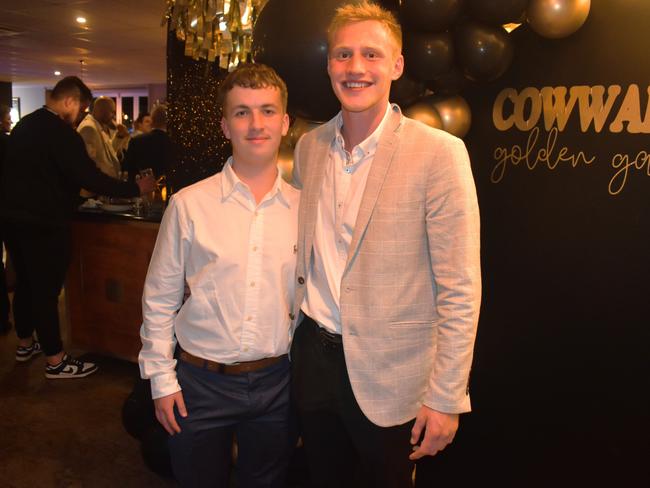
(217, 30)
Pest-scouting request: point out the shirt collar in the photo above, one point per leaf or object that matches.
(369, 145)
(231, 183)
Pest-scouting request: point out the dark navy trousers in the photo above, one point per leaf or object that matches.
(251, 407)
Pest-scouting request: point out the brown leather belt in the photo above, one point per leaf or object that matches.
(237, 368)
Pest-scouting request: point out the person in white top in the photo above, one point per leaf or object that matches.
(388, 271)
(218, 362)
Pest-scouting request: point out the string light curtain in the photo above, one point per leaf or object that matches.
(215, 30)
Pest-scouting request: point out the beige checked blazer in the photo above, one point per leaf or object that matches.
(411, 288)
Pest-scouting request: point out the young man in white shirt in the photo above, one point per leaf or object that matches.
(231, 238)
(388, 271)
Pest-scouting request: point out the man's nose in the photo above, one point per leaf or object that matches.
(255, 120)
(356, 64)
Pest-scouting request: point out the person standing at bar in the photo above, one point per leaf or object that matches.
(388, 271)
(231, 238)
(95, 130)
(45, 167)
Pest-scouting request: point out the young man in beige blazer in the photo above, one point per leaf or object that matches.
(388, 271)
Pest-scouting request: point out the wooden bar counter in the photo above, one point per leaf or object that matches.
(110, 256)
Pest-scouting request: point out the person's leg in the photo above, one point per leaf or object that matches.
(5, 325)
(201, 453)
(383, 451)
(43, 259)
(22, 306)
(330, 454)
(263, 438)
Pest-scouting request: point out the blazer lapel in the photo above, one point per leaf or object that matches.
(318, 158)
(380, 164)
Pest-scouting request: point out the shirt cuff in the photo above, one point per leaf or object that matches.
(164, 384)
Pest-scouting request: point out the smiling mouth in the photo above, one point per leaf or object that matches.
(356, 84)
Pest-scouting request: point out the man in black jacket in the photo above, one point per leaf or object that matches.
(154, 150)
(45, 167)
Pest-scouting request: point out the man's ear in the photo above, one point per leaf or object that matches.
(285, 124)
(398, 67)
(224, 127)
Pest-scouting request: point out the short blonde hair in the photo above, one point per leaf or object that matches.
(359, 12)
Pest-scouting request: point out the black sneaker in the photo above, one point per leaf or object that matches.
(70, 367)
(26, 353)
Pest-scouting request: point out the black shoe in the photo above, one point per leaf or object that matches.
(70, 367)
(26, 353)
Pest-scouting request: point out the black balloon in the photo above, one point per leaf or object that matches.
(484, 52)
(431, 15)
(427, 56)
(138, 412)
(291, 36)
(452, 82)
(155, 452)
(497, 12)
(406, 90)
(390, 4)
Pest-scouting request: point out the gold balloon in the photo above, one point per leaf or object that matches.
(298, 128)
(455, 114)
(425, 113)
(557, 18)
(285, 162)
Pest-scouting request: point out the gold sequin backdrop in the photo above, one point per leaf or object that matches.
(206, 38)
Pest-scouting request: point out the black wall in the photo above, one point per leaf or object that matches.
(560, 379)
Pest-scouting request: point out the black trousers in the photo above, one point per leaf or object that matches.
(4, 295)
(344, 449)
(40, 256)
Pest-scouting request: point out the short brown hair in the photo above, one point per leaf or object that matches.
(253, 75)
(351, 13)
(159, 116)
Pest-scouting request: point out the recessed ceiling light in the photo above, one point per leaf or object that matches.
(57, 73)
(81, 20)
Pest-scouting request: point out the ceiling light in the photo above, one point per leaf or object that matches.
(57, 73)
(81, 20)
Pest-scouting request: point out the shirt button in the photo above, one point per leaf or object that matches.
(249, 318)
(301, 280)
(252, 284)
(245, 348)
(254, 248)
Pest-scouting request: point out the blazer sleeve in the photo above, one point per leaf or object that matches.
(453, 231)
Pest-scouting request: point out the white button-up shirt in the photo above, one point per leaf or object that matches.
(338, 207)
(238, 259)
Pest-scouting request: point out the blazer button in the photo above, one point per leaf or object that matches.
(301, 280)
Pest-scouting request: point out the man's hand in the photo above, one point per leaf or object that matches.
(122, 131)
(439, 430)
(146, 184)
(165, 411)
